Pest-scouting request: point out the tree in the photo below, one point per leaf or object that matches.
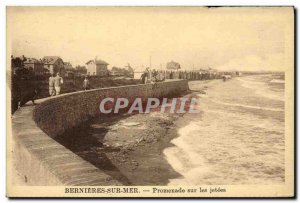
(18, 62)
(81, 69)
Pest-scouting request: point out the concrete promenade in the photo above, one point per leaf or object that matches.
(40, 160)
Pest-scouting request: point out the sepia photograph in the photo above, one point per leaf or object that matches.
(183, 101)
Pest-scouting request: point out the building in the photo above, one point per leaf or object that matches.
(35, 65)
(68, 66)
(127, 71)
(97, 67)
(69, 70)
(115, 71)
(172, 65)
(54, 64)
(80, 70)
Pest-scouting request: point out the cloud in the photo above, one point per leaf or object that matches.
(271, 62)
(194, 37)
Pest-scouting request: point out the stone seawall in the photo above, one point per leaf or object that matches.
(43, 161)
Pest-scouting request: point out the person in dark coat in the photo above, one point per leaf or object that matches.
(15, 92)
(145, 76)
(29, 94)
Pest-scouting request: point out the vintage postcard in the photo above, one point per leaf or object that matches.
(150, 102)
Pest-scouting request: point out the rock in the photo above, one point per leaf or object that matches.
(139, 140)
(128, 148)
(131, 123)
(134, 162)
(117, 145)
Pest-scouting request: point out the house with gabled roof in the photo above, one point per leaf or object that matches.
(35, 65)
(54, 64)
(97, 67)
(68, 66)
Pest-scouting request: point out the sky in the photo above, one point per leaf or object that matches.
(196, 37)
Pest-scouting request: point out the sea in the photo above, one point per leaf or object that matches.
(237, 137)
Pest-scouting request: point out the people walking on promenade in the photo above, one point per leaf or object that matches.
(194, 75)
(58, 81)
(86, 83)
(145, 76)
(51, 85)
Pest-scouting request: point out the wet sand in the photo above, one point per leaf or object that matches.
(128, 148)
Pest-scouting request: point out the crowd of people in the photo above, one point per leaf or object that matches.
(23, 90)
(161, 75)
(192, 75)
